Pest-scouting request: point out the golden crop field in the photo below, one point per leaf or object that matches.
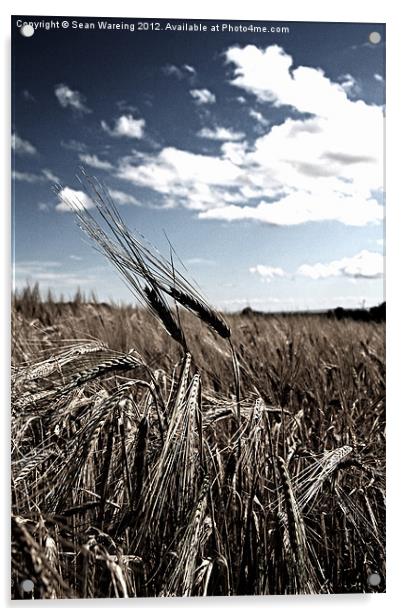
(138, 471)
(170, 450)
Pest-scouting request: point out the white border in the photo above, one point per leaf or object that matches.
(283, 10)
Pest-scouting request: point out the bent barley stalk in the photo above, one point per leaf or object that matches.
(138, 263)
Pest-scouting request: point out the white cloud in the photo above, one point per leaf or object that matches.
(350, 85)
(268, 74)
(50, 176)
(203, 96)
(22, 146)
(35, 178)
(186, 70)
(123, 198)
(123, 105)
(267, 272)
(219, 133)
(378, 77)
(324, 167)
(256, 115)
(172, 70)
(190, 69)
(71, 199)
(22, 176)
(93, 161)
(194, 180)
(365, 264)
(126, 126)
(75, 146)
(236, 154)
(71, 99)
(300, 207)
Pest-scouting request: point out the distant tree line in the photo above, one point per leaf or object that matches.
(376, 313)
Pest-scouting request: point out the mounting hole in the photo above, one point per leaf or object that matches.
(27, 30)
(374, 579)
(375, 38)
(27, 585)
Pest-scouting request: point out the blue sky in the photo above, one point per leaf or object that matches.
(258, 155)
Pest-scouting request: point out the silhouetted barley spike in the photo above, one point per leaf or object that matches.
(161, 308)
(204, 312)
(139, 468)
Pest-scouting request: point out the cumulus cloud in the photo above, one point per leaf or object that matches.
(93, 161)
(126, 126)
(70, 199)
(219, 133)
(365, 264)
(203, 96)
(300, 207)
(71, 99)
(378, 77)
(22, 146)
(194, 180)
(350, 85)
(267, 272)
(324, 166)
(268, 75)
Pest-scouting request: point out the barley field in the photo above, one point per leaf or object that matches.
(169, 450)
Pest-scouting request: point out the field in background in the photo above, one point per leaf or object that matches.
(139, 476)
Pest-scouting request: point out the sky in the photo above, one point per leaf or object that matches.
(257, 155)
